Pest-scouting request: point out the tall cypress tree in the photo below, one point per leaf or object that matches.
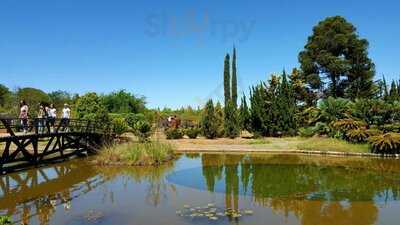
(227, 80)
(393, 94)
(234, 78)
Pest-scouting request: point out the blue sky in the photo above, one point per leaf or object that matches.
(172, 51)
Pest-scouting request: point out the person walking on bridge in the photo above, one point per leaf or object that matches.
(41, 119)
(23, 116)
(66, 115)
(52, 117)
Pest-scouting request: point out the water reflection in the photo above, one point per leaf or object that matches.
(153, 176)
(297, 189)
(316, 190)
(38, 193)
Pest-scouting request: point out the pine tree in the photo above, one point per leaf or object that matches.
(219, 120)
(302, 94)
(208, 125)
(335, 60)
(227, 80)
(234, 79)
(393, 94)
(244, 115)
(273, 108)
(231, 124)
(286, 108)
(259, 110)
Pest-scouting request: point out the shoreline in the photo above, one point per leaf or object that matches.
(289, 151)
(269, 145)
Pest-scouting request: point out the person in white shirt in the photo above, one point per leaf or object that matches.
(52, 117)
(66, 115)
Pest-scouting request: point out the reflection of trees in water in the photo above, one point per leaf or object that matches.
(300, 185)
(212, 169)
(38, 192)
(325, 213)
(154, 176)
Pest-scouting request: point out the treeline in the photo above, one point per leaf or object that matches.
(118, 102)
(333, 93)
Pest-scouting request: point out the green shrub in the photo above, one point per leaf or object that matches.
(388, 143)
(322, 128)
(345, 125)
(174, 133)
(192, 132)
(359, 135)
(306, 132)
(143, 130)
(332, 109)
(119, 126)
(209, 126)
(133, 118)
(4, 220)
(219, 120)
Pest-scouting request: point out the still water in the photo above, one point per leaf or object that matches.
(209, 189)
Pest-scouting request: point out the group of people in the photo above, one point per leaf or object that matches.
(46, 117)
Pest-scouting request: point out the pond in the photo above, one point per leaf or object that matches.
(209, 189)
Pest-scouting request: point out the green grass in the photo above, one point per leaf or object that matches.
(135, 154)
(331, 144)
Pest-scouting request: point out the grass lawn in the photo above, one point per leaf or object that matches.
(331, 144)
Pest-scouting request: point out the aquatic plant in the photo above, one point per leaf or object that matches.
(136, 154)
(212, 213)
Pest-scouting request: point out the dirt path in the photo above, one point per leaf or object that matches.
(233, 145)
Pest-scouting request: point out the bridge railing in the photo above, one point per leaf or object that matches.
(16, 126)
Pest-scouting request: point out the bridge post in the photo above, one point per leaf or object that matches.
(35, 141)
(36, 125)
(8, 127)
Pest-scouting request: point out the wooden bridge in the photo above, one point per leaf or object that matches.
(43, 141)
